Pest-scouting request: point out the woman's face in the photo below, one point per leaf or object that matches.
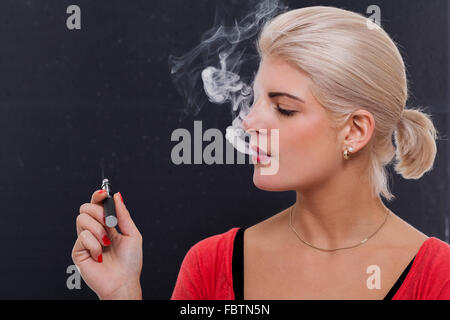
(306, 152)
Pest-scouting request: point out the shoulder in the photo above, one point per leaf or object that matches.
(432, 269)
(432, 255)
(215, 244)
(205, 272)
(438, 246)
(212, 252)
(437, 255)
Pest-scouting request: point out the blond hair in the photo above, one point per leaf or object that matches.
(353, 66)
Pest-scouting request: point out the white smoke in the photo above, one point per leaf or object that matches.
(226, 47)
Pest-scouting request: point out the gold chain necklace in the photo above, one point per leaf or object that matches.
(358, 244)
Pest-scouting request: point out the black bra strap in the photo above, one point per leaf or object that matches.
(238, 264)
(399, 282)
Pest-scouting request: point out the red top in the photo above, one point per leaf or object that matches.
(206, 271)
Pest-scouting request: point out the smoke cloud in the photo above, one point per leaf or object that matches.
(213, 67)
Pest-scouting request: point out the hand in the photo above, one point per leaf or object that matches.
(109, 262)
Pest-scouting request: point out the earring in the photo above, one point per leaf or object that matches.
(347, 151)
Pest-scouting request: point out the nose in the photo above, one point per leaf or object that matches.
(257, 124)
(253, 120)
(245, 124)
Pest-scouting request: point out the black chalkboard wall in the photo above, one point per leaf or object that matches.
(72, 97)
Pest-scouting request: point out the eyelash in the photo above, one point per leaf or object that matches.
(284, 112)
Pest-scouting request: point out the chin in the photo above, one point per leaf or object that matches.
(268, 182)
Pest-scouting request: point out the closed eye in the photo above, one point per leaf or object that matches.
(285, 112)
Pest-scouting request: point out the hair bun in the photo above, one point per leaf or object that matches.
(415, 140)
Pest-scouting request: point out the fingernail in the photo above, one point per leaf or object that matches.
(100, 258)
(121, 197)
(106, 240)
(101, 191)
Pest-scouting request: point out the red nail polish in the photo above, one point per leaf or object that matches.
(100, 258)
(106, 240)
(258, 160)
(101, 191)
(121, 197)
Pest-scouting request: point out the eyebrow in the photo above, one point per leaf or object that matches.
(277, 94)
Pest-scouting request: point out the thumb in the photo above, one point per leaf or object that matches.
(126, 224)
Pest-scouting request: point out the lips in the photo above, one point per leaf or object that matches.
(260, 156)
(259, 151)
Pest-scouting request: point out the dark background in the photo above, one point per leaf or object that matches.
(69, 98)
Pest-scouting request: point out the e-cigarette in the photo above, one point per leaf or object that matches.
(108, 205)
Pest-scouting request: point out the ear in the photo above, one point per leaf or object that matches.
(358, 130)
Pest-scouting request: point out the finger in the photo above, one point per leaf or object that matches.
(86, 247)
(97, 212)
(94, 210)
(86, 222)
(98, 196)
(124, 220)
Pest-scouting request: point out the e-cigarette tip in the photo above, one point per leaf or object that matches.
(111, 221)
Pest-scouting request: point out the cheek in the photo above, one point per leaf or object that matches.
(311, 148)
(307, 154)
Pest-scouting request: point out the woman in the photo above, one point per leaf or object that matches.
(335, 88)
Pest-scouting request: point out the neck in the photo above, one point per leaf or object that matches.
(340, 213)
